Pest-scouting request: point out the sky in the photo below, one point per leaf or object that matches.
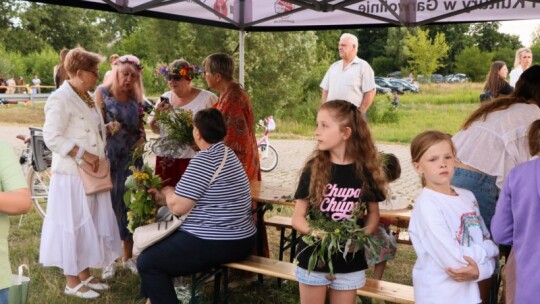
(522, 28)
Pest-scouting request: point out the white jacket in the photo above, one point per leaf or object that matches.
(69, 122)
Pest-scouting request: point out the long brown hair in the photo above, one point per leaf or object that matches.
(534, 138)
(527, 91)
(360, 147)
(494, 82)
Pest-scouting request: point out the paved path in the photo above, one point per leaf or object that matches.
(292, 156)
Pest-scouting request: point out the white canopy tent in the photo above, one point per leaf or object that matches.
(286, 15)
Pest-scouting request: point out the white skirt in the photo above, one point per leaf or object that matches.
(79, 231)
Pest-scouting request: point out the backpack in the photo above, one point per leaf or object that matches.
(486, 96)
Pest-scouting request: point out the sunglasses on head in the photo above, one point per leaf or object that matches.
(174, 77)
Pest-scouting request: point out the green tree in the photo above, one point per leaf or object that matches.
(371, 42)
(275, 76)
(62, 26)
(474, 63)
(425, 54)
(488, 38)
(457, 37)
(395, 46)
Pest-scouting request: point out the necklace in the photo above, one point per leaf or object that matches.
(85, 97)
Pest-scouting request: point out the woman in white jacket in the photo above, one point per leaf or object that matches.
(448, 234)
(80, 230)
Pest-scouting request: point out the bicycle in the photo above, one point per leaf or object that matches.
(36, 161)
(268, 156)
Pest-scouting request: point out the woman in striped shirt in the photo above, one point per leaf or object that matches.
(220, 218)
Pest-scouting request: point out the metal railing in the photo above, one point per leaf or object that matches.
(29, 97)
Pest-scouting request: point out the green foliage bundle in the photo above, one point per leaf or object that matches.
(178, 125)
(141, 205)
(330, 238)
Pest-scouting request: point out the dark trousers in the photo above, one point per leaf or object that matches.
(183, 254)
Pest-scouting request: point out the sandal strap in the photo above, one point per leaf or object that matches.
(87, 281)
(76, 288)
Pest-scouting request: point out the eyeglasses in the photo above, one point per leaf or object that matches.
(174, 77)
(131, 60)
(95, 73)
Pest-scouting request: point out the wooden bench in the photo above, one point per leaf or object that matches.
(387, 291)
(286, 241)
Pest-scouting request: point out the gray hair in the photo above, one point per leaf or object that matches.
(350, 37)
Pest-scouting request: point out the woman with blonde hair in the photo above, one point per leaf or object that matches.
(80, 230)
(120, 98)
(522, 62)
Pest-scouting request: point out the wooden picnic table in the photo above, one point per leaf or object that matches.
(274, 193)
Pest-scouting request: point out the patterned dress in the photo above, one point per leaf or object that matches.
(120, 146)
(236, 108)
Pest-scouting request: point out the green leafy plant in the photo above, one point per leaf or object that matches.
(178, 124)
(330, 238)
(141, 205)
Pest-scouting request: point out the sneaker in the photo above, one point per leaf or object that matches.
(109, 271)
(130, 264)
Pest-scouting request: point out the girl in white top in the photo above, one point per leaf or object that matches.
(522, 62)
(448, 234)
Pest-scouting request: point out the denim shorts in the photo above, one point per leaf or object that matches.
(483, 187)
(4, 295)
(343, 281)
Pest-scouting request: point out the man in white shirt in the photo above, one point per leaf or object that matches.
(351, 78)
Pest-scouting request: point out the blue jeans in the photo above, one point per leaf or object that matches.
(4, 296)
(483, 187)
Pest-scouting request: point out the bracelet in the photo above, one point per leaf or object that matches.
(80, 153)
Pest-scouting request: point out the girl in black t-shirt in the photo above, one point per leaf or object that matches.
(345, 169)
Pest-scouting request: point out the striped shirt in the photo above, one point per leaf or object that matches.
(223, 209)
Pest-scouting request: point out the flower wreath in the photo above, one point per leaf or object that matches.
(189, 72)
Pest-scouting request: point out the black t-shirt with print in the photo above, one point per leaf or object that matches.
(344, 190)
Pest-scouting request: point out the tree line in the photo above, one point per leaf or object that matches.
(282, 69)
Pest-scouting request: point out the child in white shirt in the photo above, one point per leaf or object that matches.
(448, 234)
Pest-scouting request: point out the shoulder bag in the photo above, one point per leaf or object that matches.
(147, 235)
(96, 182)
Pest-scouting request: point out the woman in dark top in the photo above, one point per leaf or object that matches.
(496, 84)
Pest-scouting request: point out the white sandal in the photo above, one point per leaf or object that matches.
(89, 294)
(95, 286)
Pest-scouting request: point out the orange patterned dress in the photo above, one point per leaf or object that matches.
(236, 108)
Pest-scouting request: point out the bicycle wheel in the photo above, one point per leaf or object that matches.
(38, 183)
(268, 157)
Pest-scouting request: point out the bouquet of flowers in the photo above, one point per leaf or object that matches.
(330, 237)
(141, 205)
(178, 125)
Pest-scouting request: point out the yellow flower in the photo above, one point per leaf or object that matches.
(337, 230)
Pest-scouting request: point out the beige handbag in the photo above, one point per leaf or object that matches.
(147, 235)
(95, 182)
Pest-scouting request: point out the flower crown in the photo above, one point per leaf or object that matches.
(188, 72)
(131, 60)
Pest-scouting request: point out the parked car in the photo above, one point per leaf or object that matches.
(461, 77)
(383, 82)
(437, 78)
(382, 90)
(411, 87)
(396, 74)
